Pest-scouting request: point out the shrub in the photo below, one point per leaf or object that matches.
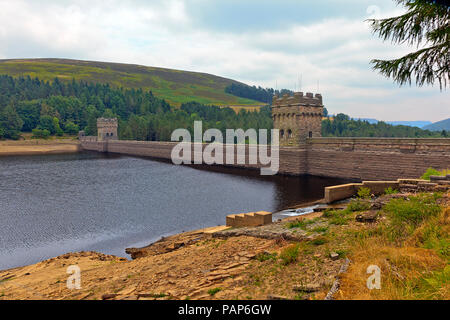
(434, 172)
(430, 172)
(389, 190)
(289, 255)
(40, 133)
(358, 205)
(212, 292)
(364, 193)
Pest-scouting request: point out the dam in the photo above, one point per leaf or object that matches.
(303, 151)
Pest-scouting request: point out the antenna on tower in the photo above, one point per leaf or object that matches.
(300, 82)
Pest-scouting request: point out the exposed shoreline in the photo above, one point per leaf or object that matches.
(38, 147)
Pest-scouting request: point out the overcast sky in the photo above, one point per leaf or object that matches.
(259, 42)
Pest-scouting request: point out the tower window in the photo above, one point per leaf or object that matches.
(282, 134)
(289, 133)
(310, 134)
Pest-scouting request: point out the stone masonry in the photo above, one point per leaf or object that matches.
(298, 117)
(107, 129)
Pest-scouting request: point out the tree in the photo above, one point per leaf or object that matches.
(424, 24)
(46, 123)
(40, 133)
(71, 128)
(11, 123)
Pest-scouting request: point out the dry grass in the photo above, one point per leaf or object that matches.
(414, 268)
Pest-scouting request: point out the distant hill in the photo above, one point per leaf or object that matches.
(439, 126)
(175, 86)
(418, 124)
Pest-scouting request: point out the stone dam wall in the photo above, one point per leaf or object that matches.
(349, 158)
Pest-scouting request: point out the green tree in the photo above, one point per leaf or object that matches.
(46, 123)
(40, 133)
(71, 128)
(11, 123)
(58, 130)
(426, 23)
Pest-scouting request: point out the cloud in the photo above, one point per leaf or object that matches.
(264, 42)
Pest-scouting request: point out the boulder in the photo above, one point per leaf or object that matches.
(334, 256)
(367, 217)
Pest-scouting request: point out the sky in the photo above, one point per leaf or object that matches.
(320, 46)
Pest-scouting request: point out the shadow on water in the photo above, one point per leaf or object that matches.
(291, 191)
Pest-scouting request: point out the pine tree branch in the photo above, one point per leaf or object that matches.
(426, 65)
(422, 17)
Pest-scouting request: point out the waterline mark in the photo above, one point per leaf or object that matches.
(210, 148)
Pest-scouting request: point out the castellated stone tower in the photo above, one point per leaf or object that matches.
(107, 129)
(298, 117)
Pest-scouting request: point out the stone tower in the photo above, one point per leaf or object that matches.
(107, 129)
(298, 117)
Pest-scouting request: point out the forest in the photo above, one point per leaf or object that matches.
(255, 93)
(63, 108)
(60, 108)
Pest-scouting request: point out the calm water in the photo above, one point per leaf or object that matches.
(54, 204)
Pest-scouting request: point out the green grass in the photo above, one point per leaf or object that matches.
(407, 215)
(213, 292)
(175, 86)
(319, 241)
(289, 254)
(264, 256)
(302, 224)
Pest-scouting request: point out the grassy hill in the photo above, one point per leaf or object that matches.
(175, 86)
(439, 126)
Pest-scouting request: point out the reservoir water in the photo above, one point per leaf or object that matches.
(54, 204)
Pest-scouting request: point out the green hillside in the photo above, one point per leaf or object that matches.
(175, 86)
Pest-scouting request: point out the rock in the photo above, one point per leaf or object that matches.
(109, 296)
(311, 287)
(231, 266)
(276, 297)
(127, 292)
(129, 298)
(218, 277)
(334, 256)
(369, 216)
(376, 205)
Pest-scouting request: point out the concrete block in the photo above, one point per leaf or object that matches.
(251, 219)
(341, 192)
